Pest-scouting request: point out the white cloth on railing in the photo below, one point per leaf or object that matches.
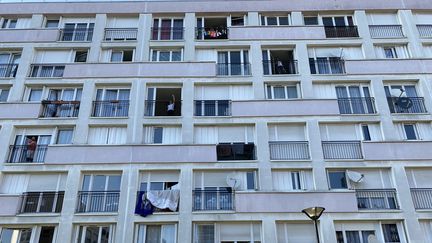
(164, 199)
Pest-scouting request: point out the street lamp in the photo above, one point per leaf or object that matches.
(314, 213)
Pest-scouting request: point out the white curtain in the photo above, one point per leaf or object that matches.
(98, 135)
(171, 135)
(352, 53)
(241, 92)
(287, 132)
(423, 18)
(238, 232)
(282, 181)
(375, 132)
(324, 91)
(420, 178)
(23, 23)
(206, 135)
(148, 134)
(63, 56)
(424, 130)
(14, 183)
(117, 135)
(402, 51)
(206, 55)
(335, 132)
(122, 22)
(428, 51)
(295, 232)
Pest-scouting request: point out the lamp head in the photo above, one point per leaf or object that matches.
(313, 213)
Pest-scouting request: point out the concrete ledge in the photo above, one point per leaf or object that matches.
(28, 35)
(19, 110)
(277, 33)
(398, 150)
(9, 204)
(389, 66)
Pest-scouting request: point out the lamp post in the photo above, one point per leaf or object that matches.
(314, 213)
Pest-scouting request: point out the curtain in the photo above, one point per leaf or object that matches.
(171, 135)
(425, 130)
(52, 56)
(14, 183)
(205, 233)
(241, 92)
(324, 91)
(117, 135)
(352, 236)
(402, 51)
(153, 234)
(98, 135)
(206, 135)
(168, 233)
(282, 181)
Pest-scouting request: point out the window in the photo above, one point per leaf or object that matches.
(111, 103)
(64, 136)
(366, 133)
(205, 233)
(410, 131)
(295, 180)
(166, 55)
(162, 135)
(15, 235)
(122, 56)
(310, 20)
(227, 233)
(337, 180)
(81, 56)
(250, 180)
(52, 23)
(338, 21)
(35, 95)
(46, 234)
(390, 232)
(167, 29)
(291, 180)
(107, 135)
(282, 92)
(165, 233)
(233, 63)
(4, 94)
(77, 32)
(9, 23)
(354, 236)
(101, 183)
(354, 99)
(237, 20)
(95, 233)
(275, 20)
(390, 52)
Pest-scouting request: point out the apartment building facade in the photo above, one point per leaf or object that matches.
(244, 112)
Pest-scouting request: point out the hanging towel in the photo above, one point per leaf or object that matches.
(143, 206)
(164, 199)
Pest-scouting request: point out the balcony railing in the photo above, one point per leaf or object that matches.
(110, 108)
(222, 199)
(22, 154)
(422, 198)
(357, 105)
(211, 33)
(212, 108)
(386, 31)
(272, 67)
(289, 150)
(377, 199)
(98, 201)
(59, 108)
(235, 151)
(233, 69)
(121, 34)
(76, 34)
(425, 30)
(46, 70)
(155, 209)
(42, 202)
(327, 66)
(398, 105)
(8, 70)
(341, 31)
(160, 108)
(167, 33)
(342, 150)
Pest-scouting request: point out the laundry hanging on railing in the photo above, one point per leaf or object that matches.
(164, 199)
(143, 206)
(214, 33)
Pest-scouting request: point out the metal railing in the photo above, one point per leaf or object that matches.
(422, 198)
(213, 199)
(289, 150)
(357, 105)
(46, 70)
(233, 69)
(22, 154)
(155, 209)
(42, 202)
(76, 34)
(160, 108)
(110, 108)
(386, 31)
(273, 67)
(425, 30)
(59, 108)
(98, 201)
(341, 31)
(396, 105)
(327, 66)
(120, 34)
(342, 150)
(211, 33)
(8, 70)
(212, 108)
(235, 151)
(377, 199)
(167, 33)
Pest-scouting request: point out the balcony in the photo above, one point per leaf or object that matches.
(21, 154)
(273, 67)
(59, 108)
(341, 31)
(233, 69)
(46, 70)
(167, 33)
(212, 108)
(397, 150)
(235, 151)
(212, 200)
(42, 202)
(76, 34)
(121, 34)
(289, 32)
(211, 33)
(289, 150)
(386, 31)
(397, 105)
(160, 108)
(98, 201)
(376, 199)
(327, 66)
(357, 105)
(342, 150)
(142, 194)
(111, 108)
(422, 198)
(425, 30)
(8, 70)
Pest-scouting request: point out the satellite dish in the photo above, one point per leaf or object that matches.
(372, 239)
(354, 176)
(233, 181)
(404, 102)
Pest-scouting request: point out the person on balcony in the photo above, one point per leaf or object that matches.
(280, 67)
(31, 148)
(171, 106)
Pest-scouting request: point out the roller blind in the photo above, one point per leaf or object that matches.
(324, 91)
(160, 176)
(295, 232)
(206, 135)
(352, 53)
(293, 132)
(235, 232)
(212, 92)
(383, 19)
(46, 182)
(230, 134)
(14, 183)
(107, 135)
(327, 52)
(121, 22)
(335, 132)
(205, 55)
(58, 56)
(241, 92)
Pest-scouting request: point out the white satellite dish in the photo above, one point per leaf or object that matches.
(233, 181)
(354, 176)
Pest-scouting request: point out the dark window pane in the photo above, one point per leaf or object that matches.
(157, 136)
(366, 134)
(47, 234)
(337, 180)
(390, 233)
(410, 132)
(250, 180)
(311, 20)
(271, 21)
(283, 21)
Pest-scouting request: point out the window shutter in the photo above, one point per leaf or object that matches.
(14, 183)
(98, 135)
(206, 135)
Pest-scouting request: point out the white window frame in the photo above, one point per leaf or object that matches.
(93, 175)
(35, 231)
(122, 51)
(337, 16)
(61, 129)
(6, 23)
(157, 50)
(266, 16)
(416, 131)
(51, 19)
(171, 26)
(285, 86)
(144, 235)
(100, 226)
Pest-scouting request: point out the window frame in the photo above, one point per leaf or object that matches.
(143, 234)
(82, 233)
(122, 52)
(415, 130)
(171, 51)
(337, 171)
(278, 21)
(285, 86)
